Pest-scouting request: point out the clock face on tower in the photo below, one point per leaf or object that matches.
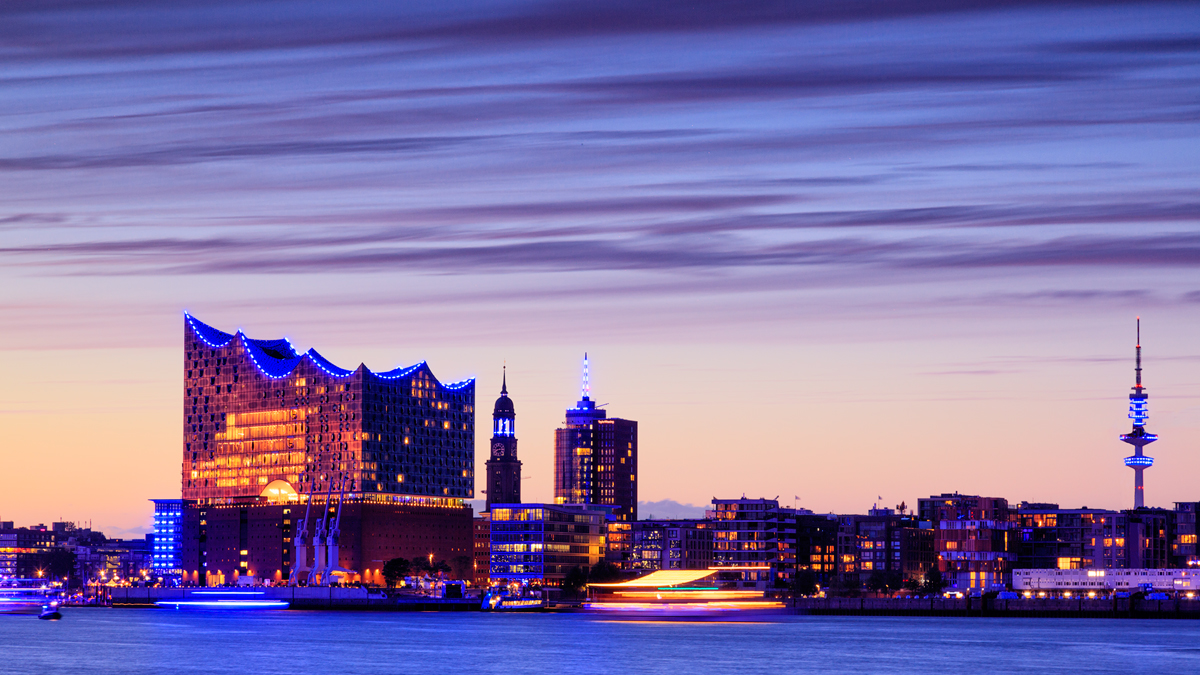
(497, 450)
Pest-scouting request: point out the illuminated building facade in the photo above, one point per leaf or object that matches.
(595, 457)
(671, 545)
(167, 556)
(543, 542)
(975, 539)
(751, 544)
(1184, 549)
(1139, 412)
(286, 452)
(503, 469)
(25, 550)
(1054, 538)
(1082, 582)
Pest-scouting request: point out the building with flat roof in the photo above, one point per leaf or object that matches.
(670, 545)
(1054, 538)
(542, 543)
(749, 543)
(884, 544)
(301, 470)
(482, 555)
(1184, 552)
(595, 457)
(1082, 582)
(974, 537)
(167, 554)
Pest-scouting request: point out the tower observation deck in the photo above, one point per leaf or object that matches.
(1139, 438)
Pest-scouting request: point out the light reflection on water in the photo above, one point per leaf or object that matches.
(133, 641)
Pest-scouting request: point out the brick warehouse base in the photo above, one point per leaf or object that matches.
(225, 543)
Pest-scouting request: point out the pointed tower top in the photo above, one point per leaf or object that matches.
(504, 381)
(587, 386)
(1138, 368)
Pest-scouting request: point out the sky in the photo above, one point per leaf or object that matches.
(840, 252)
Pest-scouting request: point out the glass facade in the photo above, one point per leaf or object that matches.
(543, 542)
(166, 558)
(595, 460)
(257, 412)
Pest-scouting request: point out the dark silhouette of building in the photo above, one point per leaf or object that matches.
(884, 544)
(503, 469)
(595, 457)
(296, 464)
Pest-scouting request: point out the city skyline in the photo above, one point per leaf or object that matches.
(841, 252)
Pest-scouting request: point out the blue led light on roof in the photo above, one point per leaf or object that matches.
(276, 368)
(399, 372)
(1139, 460)
(325, 365)
(207, 334)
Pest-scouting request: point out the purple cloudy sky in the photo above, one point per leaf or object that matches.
(797, 237)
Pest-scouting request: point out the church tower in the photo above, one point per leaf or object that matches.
(503, 469)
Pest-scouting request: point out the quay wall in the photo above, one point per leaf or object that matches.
(301, 597)
(1180, 608)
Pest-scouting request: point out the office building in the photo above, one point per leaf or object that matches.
(542, 543)
(503, 469)
(167, 554)
(595, 457)
(298, 470)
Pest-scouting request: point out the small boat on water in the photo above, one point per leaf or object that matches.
(679, 595)
(494, 601)
(31, 597)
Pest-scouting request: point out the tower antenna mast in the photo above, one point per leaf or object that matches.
(1138, 437)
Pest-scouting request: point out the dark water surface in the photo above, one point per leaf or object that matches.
(133, 641)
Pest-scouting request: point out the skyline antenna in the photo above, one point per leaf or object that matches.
(587, 386)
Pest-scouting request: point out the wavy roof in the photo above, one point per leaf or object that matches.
(278, 358)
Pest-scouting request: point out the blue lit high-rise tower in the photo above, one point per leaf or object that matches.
(1138, 438)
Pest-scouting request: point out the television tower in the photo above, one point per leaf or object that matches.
(1138, 438)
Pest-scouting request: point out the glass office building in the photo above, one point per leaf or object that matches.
(166, 558)
(544, 542)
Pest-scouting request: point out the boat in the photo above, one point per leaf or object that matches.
(679, 595)
(494, 601)
(31, 597)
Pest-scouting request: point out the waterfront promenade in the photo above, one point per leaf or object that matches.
(363, 599)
